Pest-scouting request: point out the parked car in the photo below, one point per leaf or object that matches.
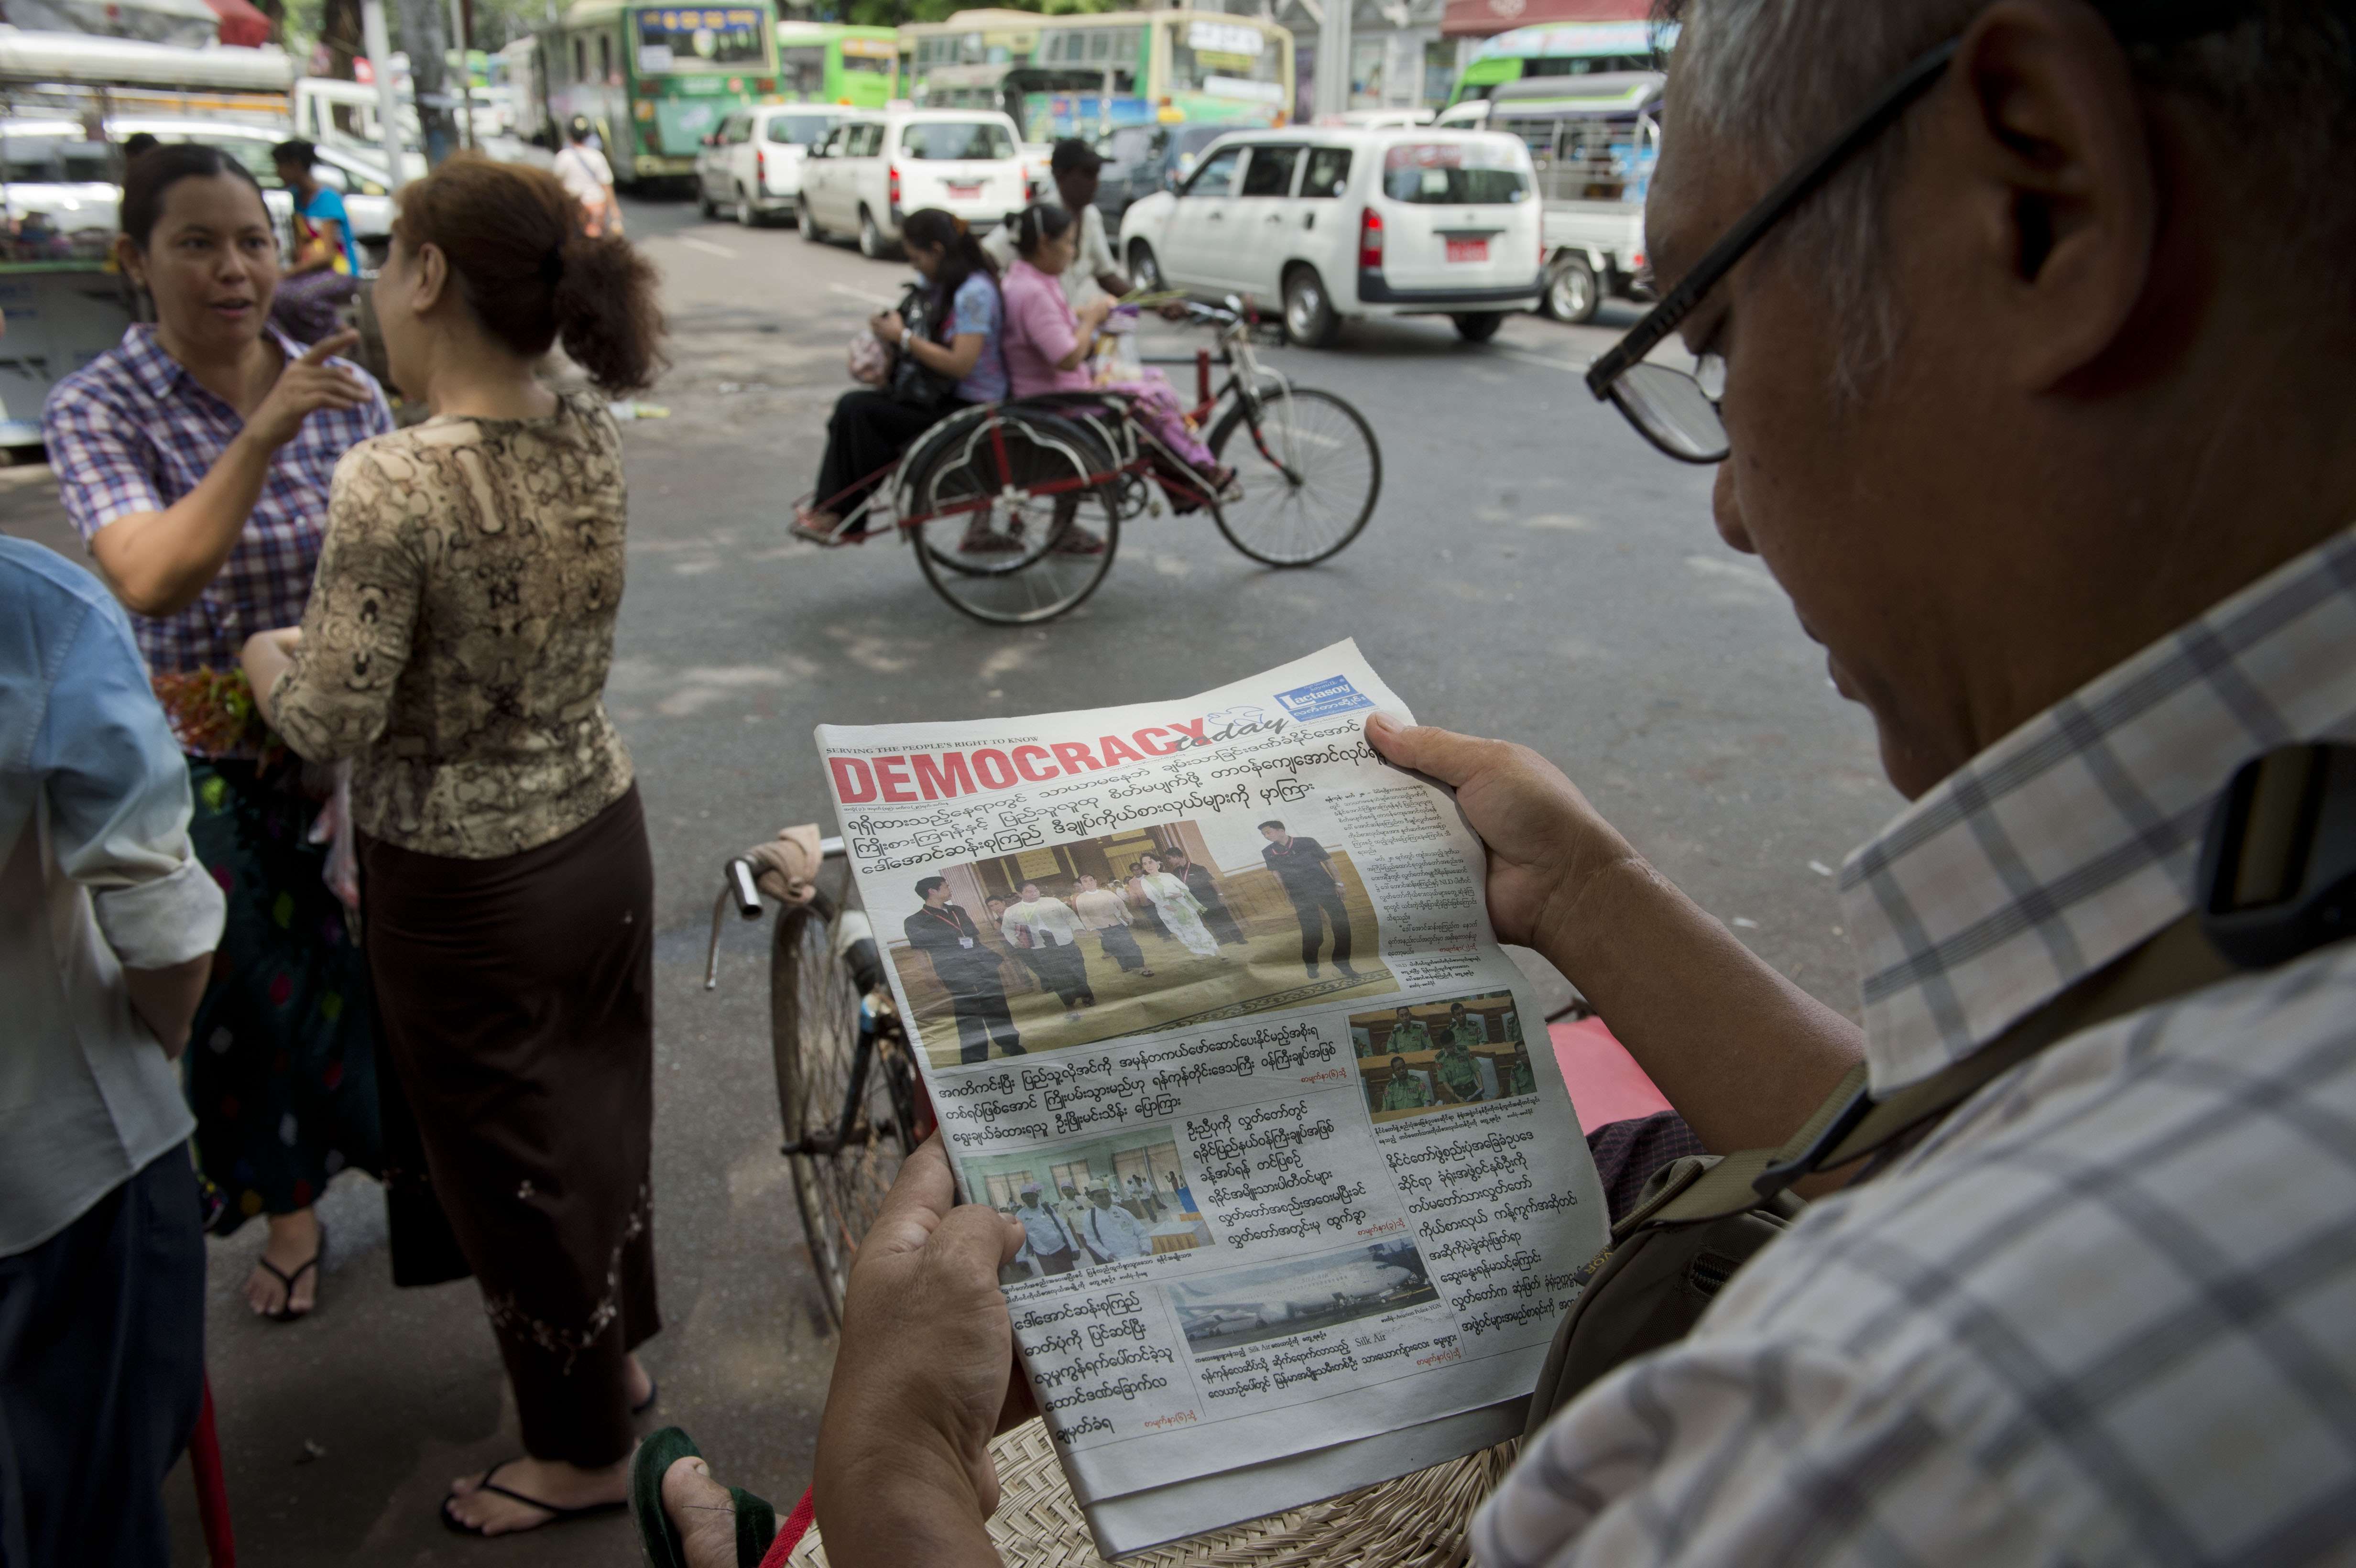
(1143, 159)
(875, 168)
(752, 165)
(1343, 224)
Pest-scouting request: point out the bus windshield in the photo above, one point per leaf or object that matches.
(687, 39)
(1225, 60)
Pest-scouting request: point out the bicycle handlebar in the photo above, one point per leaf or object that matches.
(737, 885)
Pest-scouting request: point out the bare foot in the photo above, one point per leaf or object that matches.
(553, 1481)
(293, 1241)
(702, 1512)
(642, 1384)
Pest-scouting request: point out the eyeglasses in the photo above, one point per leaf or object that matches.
(1677, 411)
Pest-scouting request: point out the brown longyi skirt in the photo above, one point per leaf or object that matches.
(517, 999)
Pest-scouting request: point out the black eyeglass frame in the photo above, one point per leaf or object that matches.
(2133, 21)
(1603, 375)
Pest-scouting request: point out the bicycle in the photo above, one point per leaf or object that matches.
(852, 1101)
(1015, 508)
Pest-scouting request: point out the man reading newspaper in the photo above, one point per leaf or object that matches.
(2065, 487)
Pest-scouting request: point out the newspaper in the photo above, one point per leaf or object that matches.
(1208, 1001)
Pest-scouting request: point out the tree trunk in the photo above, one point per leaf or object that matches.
(339, 34)
(426, 36)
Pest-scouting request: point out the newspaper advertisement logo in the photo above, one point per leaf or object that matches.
(1323, 698)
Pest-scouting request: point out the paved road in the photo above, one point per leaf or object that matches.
(1533, 572)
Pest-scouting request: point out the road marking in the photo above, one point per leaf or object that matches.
(707, 247)
(861, 294)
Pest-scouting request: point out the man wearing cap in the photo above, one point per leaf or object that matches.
(1112, 1232)
(1093, 270)
(1046, 1233)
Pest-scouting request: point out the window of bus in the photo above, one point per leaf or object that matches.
(1225, 60)
(605, 60)
(580, 59)
(676, 39)
(801, 70)
(875, 57)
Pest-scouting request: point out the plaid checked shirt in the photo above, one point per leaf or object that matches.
(2107, 1314)
(132, 431)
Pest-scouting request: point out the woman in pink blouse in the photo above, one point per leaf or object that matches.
(1047, 344)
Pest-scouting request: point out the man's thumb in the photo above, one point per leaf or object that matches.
(1443, 755)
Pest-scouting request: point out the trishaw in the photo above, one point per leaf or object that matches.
(1015, 508)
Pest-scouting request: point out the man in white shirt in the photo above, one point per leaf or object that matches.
(107, 927)
(582, 169)
(2062, 471)
(1054, 933)
(1112, 1232)
(1093, 271)
(1106, 912)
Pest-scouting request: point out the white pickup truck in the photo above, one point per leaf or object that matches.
(1594, 141)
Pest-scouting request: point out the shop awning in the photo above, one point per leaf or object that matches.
(1479, 18)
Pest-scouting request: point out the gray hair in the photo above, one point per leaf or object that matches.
(1776, 79)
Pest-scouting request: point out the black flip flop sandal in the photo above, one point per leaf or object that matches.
(286, 1313)
(757, 1520)
(555, 1515)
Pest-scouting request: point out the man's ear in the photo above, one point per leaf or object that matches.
(2042, 112)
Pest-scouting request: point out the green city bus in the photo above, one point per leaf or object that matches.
(1562, 49)
(1085, 74)
(829, 62)
(654, 81)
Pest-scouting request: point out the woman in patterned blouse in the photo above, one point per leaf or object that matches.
(195, 457)
(455, 646)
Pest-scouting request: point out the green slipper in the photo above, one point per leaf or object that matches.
(756, 1521)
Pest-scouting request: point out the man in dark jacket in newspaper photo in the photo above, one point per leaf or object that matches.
(1459, 1074)
(1307, 873)
(1962, 306)
(968, 969)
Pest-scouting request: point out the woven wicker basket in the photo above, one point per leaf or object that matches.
(1416, 1521)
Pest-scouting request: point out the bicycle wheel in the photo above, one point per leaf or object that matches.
(1309, 481)
(831, 1074)
(1020, 521)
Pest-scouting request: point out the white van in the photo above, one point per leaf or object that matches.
(877, 166)
(1344, 223)
(752, 166)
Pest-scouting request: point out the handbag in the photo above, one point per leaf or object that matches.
(911, 383)
(1700, 1219)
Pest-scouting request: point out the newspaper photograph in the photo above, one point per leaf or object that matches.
(1208, 1003)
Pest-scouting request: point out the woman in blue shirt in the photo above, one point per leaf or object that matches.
(325, 271)
(871, 428)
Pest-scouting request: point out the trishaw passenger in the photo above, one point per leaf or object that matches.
(194, 457)
(872, 427)
(1048, 345)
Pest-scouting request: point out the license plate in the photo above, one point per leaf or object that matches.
(1468, 249)
(966, 192)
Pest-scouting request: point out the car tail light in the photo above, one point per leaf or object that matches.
(1370, 241)
(761, 166)
(895, 187)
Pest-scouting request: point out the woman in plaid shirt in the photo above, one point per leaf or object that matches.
(194, 457)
